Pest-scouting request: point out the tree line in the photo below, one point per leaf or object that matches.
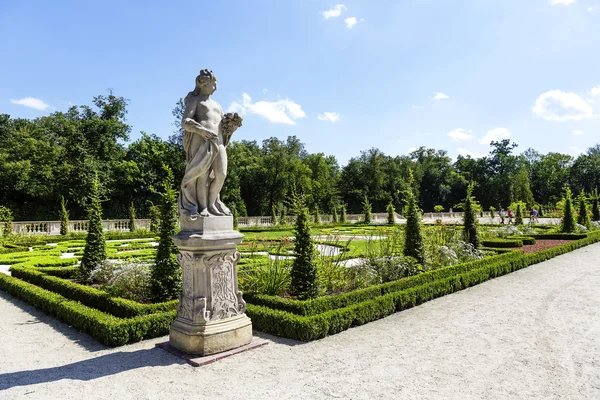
(58, 155)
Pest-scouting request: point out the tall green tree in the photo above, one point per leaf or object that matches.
(519, 214)
(391, 217)
(166, 272)
(413, 239)
(94, 252)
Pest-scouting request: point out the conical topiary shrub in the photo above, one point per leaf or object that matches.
(366, 209)
(519, 214)
(391, 214)
(304, 279)
(583, 218)
(413, 239)
(568, 222)
(94, 252)
(166, 272)
(64, 216)
(132, 218)
(470, 219)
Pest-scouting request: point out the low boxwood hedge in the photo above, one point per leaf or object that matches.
(311, 327)
(527, 240)
(89, 296)
(108, 329)
(502, 243)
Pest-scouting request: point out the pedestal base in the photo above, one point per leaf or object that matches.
(212, 337)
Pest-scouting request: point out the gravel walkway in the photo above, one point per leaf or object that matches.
(533, 334)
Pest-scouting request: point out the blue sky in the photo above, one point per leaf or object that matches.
(343, 76)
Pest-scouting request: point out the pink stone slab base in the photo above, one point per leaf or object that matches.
(197, 361)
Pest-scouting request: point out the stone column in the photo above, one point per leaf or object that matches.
(211, 314)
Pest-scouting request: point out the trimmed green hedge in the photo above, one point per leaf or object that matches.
(311, 327)
(560, 236)
(527, 240)
(503, 243)
(90, 296)
(110, 330)
(326, 303)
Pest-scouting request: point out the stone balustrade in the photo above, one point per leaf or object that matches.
(81, 226)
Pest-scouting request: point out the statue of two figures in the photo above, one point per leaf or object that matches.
(207, 132)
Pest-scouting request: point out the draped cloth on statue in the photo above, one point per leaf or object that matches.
(200, 155)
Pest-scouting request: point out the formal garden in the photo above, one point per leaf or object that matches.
(302, 281)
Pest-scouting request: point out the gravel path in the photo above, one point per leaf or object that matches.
(533, 334)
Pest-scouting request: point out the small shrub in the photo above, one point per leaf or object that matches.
(391, 214)
(366, 209)
(154, 215)
(438, 209)
(127, 279)
(519, 214)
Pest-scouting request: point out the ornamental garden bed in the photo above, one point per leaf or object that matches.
(43, 279)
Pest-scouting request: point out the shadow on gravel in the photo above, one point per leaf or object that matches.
(277, 339)
(81, 339)
(93, 368)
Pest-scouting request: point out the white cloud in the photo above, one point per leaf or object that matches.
(565, 2)
(31, 102)
(350, 22)
(495, 135)
(334, 12)
(282, 111)
(459, 134)
(329, 116)
(556, 105)
(472, 154)
(575, 151)
(595, 91)
(577, 132)
(441, 96)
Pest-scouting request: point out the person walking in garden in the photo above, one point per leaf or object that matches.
(501, 214)
(534, 216)
(510, 216)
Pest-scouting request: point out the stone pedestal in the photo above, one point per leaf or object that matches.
(211, 314)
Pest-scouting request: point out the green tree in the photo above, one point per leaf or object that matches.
(469, 219)
(94, 252)
(334, 214)
(583, 218)
(131, 218)
(317, 215)
(64, 216)
(366, 209)
(166, 272)
(413, 239)
(391, 211)
(343, 214)
(438, 208)
(304, 283)
(595, 206)
(568, 222)
(519, 214)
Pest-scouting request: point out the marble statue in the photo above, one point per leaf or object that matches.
(207, 132)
